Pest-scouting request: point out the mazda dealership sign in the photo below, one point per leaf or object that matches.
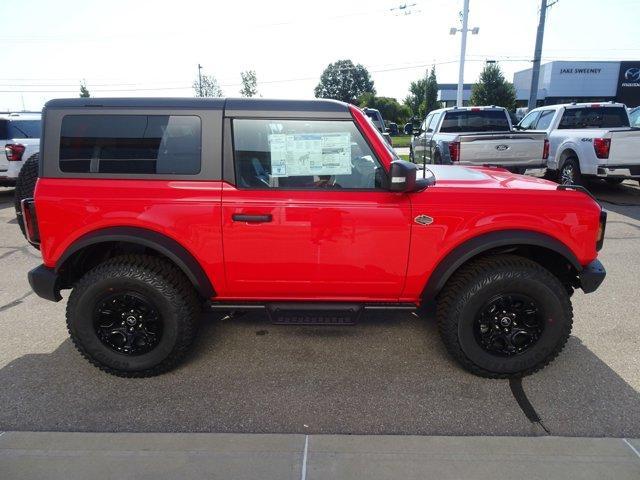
(629, 84)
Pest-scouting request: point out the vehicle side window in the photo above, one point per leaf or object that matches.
(24, 129)
(304, 154)
(426, 122)
(529, 120)
(434, 122)
(634, 117)
(133, 144)
(545, 119)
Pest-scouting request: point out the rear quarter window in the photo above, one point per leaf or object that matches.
(131, 144)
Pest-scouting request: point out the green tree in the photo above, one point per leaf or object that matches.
(389, 108)
(210, 87)
(344, 81)
(84, 91)
(423, 95)
(493, 89)
(249, 83)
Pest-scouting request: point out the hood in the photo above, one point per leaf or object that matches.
(449, 176)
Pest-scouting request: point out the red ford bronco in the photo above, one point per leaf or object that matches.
(152, 209)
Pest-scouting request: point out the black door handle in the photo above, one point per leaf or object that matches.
(241, 217)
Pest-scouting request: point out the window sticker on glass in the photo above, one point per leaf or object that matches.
(310, 154)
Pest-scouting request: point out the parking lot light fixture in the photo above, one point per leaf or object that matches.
(463, 47)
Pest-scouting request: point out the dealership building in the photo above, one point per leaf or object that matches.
(579, 81)
(448, 94)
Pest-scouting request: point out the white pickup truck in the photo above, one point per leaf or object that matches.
(587, 140)
(19, 140)
(477, 136)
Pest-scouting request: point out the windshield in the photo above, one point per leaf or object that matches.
(389, 148)
(375, 118)
(475, 121)
(594, 117)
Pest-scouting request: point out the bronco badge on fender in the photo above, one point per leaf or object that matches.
(423, 220)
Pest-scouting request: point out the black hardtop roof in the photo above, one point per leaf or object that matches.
(238, 104)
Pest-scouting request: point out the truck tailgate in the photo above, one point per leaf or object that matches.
(502, 149)
(625, 147)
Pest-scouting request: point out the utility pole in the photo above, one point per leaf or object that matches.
(200, 79)
(537, 54)
(463, 48)
(535, 71)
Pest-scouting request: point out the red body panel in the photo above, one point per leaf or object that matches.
(320, 244)
(188, 212)
(331, 245)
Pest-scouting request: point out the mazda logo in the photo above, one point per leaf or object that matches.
(502, 148)
(632, 75)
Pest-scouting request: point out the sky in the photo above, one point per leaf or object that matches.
(125, 48)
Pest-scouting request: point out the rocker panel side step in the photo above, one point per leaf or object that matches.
(314, 313)
(311, 313)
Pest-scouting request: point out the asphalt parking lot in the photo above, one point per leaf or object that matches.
(389, 374)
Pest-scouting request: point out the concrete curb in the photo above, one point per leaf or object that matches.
(40, 455)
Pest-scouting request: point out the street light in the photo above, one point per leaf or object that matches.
(463, 47)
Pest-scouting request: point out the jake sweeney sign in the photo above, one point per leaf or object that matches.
(580, 71)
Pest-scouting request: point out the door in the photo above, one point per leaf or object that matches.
(309, 217)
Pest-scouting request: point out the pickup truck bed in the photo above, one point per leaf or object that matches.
(477, 136)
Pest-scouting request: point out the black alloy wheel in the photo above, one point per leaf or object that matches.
(508, 324)
(128, 323)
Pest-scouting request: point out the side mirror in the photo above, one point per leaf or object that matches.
(408, 128)
(403, 176)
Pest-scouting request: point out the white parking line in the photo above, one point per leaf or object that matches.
(303, 476)
(1, 433)
(631, 447)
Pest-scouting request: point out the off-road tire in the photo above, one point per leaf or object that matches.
(474, 283)
(25, 186)
(156, 279)
(574, 164)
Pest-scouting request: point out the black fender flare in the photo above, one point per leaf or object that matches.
(150, 239)
(486, 242)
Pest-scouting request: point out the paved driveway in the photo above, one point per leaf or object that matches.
(389, 374)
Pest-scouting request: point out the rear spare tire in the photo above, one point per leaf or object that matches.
(504, 316)
(25, 186)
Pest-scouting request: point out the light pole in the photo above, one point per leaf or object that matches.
(463, 47)
(200, 79)
(537, 53)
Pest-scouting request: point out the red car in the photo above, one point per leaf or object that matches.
(152, 209)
